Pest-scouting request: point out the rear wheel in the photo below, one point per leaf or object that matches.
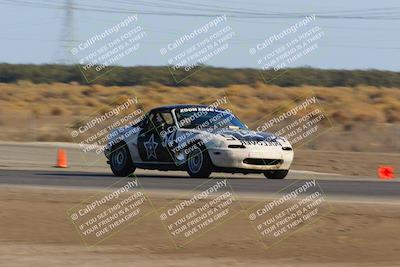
(198, 163)
(120, 161)
(276, 174)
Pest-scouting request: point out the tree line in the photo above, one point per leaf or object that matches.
(206, 77)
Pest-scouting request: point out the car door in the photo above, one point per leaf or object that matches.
(150, 142)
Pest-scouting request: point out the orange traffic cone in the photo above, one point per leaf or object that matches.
(61, 159)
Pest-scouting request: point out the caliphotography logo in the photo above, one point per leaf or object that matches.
(197, 48)
(107, 127)
(280, 51)
(107, 213)
(199, 211)
(101, 52)
(299, 122)
(292, 208)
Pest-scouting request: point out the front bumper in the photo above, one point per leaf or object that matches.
(261, 159)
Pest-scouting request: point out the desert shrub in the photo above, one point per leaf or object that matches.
(56, 111)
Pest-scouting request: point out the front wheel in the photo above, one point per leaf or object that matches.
(120, 161)
(277, 174)
(198, 163)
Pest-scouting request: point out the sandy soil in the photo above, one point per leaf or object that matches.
(345, 162)
(36, 231)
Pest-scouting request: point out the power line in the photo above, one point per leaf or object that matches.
(369, 14)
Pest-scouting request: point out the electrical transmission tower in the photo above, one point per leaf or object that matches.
(66, 39)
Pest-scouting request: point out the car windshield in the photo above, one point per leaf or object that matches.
(206, 117)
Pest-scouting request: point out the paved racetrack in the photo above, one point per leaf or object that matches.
(31, 164)
(153, 180)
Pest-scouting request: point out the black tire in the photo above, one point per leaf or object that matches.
(198, 163)
(278, 174)
(120, 161)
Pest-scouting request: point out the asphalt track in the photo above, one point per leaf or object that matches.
(165, 181)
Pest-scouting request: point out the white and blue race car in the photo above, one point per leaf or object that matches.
(198, 139)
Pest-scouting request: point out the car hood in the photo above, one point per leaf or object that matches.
(247, 135)
(240, 134)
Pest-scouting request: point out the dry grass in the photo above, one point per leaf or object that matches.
(45, 111)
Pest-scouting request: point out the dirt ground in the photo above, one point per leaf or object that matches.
(36, 231)
(345, 162)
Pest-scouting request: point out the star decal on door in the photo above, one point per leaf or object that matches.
(151, 146)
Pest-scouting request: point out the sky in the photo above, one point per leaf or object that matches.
(362, 34)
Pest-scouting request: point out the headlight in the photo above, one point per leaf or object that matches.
(217, 142)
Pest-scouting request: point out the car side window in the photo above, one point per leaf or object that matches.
(169, 120)
(159, 120)
(156, 120)
(181, 122)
